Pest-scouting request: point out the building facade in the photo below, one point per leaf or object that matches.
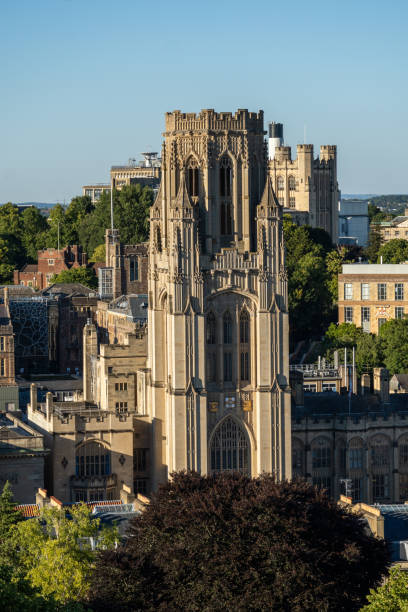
(306, 187)
(370, 294)
(126, 268)
(395, 229)
(353, 222)
(217, 374)
(50, 262)
(8, 387)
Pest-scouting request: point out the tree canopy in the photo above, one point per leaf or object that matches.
(228, 542)
(393, 252)
(85, 276)
(392, 596)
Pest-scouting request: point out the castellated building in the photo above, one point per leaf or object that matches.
(306, 186)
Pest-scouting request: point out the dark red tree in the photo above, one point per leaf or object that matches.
(229, 542)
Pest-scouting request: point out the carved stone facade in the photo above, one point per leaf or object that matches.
(217, 369)
(307, 187)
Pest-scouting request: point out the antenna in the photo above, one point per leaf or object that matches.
(112, 205)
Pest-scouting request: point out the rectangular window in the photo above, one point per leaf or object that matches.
(121, 406)
(399, 312)
(348, 314)
(356, 488)
(245, 365)
(356, 458)
(365, 318)
(227, 367)
(382, 291)
(380, 486)
(381, 322)
(50, 262)
(2, 369)
(403, 454)
(365, 291)
(140, 459)
(399, 291)
(310, 387)
(134, 269)
(292, 202)
(141, 485)
(1, 343)
(348, 291)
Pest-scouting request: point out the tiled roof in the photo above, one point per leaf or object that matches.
(28, 510)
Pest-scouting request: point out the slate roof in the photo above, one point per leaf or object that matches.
(395, 521)
(69, 289)
(133, 306)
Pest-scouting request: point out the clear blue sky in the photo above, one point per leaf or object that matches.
(85, 83)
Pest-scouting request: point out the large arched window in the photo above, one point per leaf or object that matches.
(211, 337)
(225, 177)
(93, 459)
(230, 448)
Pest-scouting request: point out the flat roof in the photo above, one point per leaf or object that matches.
(366, 268)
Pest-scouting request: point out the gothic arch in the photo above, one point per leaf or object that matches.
(229, 447)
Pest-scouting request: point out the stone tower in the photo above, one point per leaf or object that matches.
(218, 321)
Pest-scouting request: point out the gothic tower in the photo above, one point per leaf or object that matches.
(218, 320)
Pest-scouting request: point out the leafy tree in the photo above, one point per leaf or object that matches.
(56, 552)
(334, 262)
(77, 211)
(85, 276)
(8, 514)
(392, 596)
(11, 256)
(376, 214)
(228, 542)
(10, 220)
(56, 222)
(131, 207)
(34, 232)
(375, 240)
(394, 341)
(99, 253)
(393, 252)
(368, 353)
(347, 335)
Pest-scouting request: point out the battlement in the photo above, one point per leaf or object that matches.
(328, 152)
(304, 148)
(282, 153)
(209, 120)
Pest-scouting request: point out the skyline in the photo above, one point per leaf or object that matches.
(86, 87)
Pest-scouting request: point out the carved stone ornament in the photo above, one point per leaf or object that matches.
(283, 275)
(263, 275)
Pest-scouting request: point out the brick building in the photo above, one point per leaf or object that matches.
(50, 262)
(370, 294)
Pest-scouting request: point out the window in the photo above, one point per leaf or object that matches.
(310, 387)
(192, 176)
(88, 192)
(331, 387)
(244, 328)
(396, 233)
(297, 459)
(382, 291)
(141, 485)
(281, 183)
(2, 367)
(211, 366)
(140, 459)
(226, 220)
(292, 202)
(381, 322)
(380, 486)
(321, 454)
(211, 329)
(356, 488)
(1, 343)
(227, 367)
(365, 318)
(403, 454)
(50, 262)
(229, 449)
(244, 365)
(365, 291)
(158, 240)
(134, 269)
(225, 177)
(92, 459)
(292, 183)
(356, 458)
(227, 321)
(348, 314)
(399, 291)
(121, 406)
(348, 291)
(121, 386)
(380, 455)
(399, 312)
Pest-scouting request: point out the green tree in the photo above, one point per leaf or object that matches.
(368, 353)
(8, 514)
(99, 253)
(393, 252)
(56, 222)
(228, 542)
(394, 341)
(334, 262)
(56, 552)
(79, 208)
(10, 220)
(12, 256)
(85, 276)
(34, 232)
(375, 240)
(392, 596)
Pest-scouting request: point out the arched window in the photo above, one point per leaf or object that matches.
(227, 325)
(93, 459)
(226, 219)
(230, 448)
(321, 453)
(244, 327)
(298, 454)
(292, 183)
(193, 179)
(211, 328)
(158, 239)
(281, 183)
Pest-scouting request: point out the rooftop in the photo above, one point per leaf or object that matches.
(366, 268)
